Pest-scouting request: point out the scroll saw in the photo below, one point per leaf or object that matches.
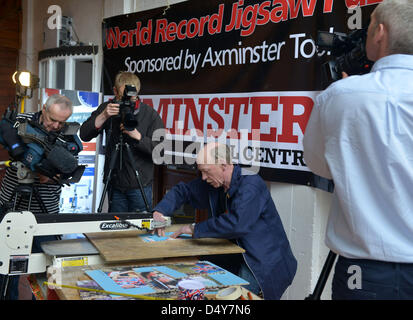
(17, 230)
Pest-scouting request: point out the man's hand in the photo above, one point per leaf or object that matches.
(45, 179)
(112, 109)
(134, 134)
(157, 216)
(187, 229)
(344, 75)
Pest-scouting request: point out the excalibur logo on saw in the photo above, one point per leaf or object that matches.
(114, 226)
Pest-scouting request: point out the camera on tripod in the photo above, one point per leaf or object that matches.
(127, 106)
(349, 51)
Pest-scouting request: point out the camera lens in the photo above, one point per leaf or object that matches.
(129, 121)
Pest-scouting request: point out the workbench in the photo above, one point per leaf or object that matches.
(128, 246)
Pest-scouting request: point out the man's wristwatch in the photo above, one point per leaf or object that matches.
(192, 226)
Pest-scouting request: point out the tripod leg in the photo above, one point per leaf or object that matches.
(4, 279)
(105, 188)
(15, 200)
(7, 285)
(18, 197)
(39, 200)
(26, 191)
(132, 163)
(109, 177)
(318, 290)
(30, 200)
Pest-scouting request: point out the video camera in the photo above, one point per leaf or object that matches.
(349, 50)
(50, 153)
(126, 107)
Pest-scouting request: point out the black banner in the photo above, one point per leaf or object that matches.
(244, 71)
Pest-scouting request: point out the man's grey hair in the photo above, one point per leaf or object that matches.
(64, 102)
(397, 16)
(220, 153)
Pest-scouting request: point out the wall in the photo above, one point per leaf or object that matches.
(10, 41)
(87, 19)
(304, 213)
(303, 210)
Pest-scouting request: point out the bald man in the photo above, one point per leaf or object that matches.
(240, 208)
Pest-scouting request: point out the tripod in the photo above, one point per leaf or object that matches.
(318, 290)
(5, 286)
(26, 189)
(118, 153)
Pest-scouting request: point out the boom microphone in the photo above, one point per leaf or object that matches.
(62, 160)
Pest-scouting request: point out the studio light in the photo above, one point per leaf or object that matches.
(25, 79)
(25, 82)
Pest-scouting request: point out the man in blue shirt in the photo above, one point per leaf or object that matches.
(360, 134)
(241, 208)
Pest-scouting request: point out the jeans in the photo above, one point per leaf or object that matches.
(130, 201)
(360, 279)
(246, 274)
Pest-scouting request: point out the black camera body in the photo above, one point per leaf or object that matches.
(349, 51)
(126, 108)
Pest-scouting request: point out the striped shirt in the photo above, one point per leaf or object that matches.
(42, 193)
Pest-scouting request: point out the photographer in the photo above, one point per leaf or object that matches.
(124, 193)
(360, 135)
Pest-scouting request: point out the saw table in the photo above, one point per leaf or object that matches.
(108, 241)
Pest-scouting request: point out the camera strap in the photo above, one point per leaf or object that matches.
(137, 106)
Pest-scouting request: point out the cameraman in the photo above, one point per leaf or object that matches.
(360, 134)
(52, 117)
(124, 193)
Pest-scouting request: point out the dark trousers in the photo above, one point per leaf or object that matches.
(9, 287)
(360, 279)
(131, 200)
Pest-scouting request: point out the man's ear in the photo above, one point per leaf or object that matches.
(380, 33)
(224, 166)
(115, 91)
(381, 37)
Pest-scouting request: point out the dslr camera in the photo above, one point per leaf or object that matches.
(348, 50)
(126, 108)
